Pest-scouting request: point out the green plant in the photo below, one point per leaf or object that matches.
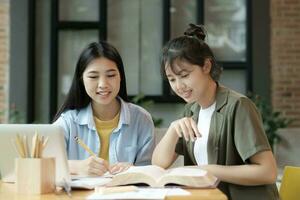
(145, 103)
(272, 120)
(14, 116)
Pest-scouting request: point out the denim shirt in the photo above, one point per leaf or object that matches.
(132, 141)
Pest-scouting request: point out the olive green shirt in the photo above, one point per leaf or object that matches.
(236, 133)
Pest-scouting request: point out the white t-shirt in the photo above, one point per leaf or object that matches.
(200, 147)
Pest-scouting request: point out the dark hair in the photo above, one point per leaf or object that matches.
(77, 97)
(191, 48)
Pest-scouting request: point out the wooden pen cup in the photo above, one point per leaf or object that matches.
(35, 175)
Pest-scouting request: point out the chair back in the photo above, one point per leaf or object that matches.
(290, 185)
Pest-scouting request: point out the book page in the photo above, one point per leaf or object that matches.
(138, 174)
(80, 176)
(189, 177)
(186, 171)
(152, 171)
(89, 182)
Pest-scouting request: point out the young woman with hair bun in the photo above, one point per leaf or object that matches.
(221, 130)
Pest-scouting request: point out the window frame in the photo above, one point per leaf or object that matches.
(227, 65)
(58, 25)
(101, 26)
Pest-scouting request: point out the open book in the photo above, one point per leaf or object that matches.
(89, 182)
(154, 176)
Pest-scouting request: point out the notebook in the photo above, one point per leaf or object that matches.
(55, 148)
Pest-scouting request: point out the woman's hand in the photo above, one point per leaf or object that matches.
(90, 166)
(260, 171)
(119, 167)
(185, 127)
(164, 153)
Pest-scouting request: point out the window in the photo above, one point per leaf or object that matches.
(228, 34)
(138, 29)
(228, 27)
(74, 24)
(135, 28)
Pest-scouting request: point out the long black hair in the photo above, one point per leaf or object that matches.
(77, 97)
(190, 48)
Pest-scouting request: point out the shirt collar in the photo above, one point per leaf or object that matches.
(221, 100)
(85, 115)
(222, 96)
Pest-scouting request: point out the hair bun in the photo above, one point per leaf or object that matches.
(196, 31)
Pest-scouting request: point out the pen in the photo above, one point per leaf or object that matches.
(80, 142)
(67, 187)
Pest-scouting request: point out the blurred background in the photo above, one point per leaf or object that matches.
(256, 42)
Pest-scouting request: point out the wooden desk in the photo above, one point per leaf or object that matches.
(7, 192)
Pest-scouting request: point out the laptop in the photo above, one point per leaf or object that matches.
(55, 148)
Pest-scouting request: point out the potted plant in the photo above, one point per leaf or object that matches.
(14, 115)
(272, 120)
(141, 101)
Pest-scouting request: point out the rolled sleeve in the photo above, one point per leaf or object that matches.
(249, 134)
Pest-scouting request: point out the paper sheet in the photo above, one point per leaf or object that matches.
(142, 193)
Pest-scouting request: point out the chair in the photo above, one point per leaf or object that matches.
(290, 185)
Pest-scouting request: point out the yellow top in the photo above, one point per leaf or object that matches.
(104, 130)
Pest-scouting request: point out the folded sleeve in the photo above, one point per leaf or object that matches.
(249, 134)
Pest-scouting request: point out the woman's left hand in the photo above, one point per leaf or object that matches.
(119, 167)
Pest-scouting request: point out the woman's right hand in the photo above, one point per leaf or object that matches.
(185, 127)
(93, 166)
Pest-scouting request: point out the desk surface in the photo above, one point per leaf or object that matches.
(7, 191)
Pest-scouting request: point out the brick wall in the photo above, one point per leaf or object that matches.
(285, 58)
(4, 59)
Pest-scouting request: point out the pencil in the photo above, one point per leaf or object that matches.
(45, 142)
(25, 145)
(20, 148)
(81, 143)
(33, 145)
(14, 144)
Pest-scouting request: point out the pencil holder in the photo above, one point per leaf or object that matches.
(35, 175)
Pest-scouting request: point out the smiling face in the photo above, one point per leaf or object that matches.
(101, 80)
(189, 81)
